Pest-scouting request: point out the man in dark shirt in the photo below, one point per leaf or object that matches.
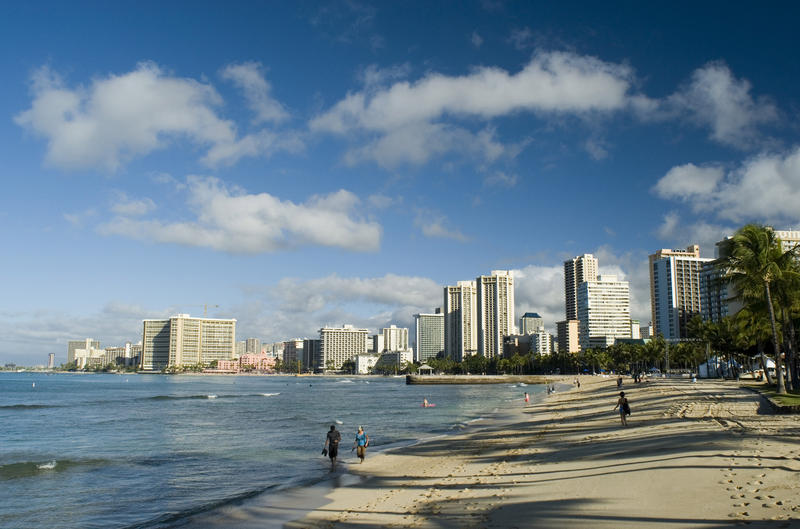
(332, 445)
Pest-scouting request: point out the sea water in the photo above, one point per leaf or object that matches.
(148, 451)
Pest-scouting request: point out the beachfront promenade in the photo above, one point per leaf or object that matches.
(704, 455)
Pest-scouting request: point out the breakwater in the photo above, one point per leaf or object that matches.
(474, 379)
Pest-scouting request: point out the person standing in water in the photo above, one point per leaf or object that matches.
(624, 408)
(361, 442)
(332, 445)
(527, 398)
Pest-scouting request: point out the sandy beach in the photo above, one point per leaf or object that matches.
(706, 454)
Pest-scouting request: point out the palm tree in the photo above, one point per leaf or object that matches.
(753, 326)
(755, 262)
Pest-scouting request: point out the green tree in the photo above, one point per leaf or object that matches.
(755, 262)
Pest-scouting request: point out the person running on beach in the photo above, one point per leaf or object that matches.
(332, 445)
(624, 408)
(361, 442)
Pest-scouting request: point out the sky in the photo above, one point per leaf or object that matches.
(300, 164)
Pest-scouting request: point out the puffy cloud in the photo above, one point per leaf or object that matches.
(714, 98)
(688, 181)
(249, 77)
(405, 122)
(540, 289)
(681, 234)
(233, 221)
(119, 117)
(764, 188)
(500, 178)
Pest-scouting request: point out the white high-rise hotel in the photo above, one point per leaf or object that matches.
(429, 336)
(339, 344)
(478, 314)
(185, 341)
(604, 312)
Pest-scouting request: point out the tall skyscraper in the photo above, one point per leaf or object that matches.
(182, 341)
(530, 322)
(429, 336)
(576, 271)
(495, 296)
(51, 361)
(460, 321)
(675, 287)
(603, 311)
(339, 344)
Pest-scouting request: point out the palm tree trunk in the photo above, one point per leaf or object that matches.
(760, 346)
(792, 363)
(778, 370)
(788, 347)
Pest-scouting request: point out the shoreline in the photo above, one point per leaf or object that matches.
(279, 507)
(707, 454)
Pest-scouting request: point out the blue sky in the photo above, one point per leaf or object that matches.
(310, 163)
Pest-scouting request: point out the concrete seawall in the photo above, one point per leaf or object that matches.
(475, 379)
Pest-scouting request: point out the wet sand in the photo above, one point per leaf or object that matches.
(709, 454)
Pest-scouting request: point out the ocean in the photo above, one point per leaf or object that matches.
(149, 451)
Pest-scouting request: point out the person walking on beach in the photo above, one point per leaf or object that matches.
(361, 442)
(332, 445)
(619, 381)
(624, 408)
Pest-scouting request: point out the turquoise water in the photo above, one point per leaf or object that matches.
(147, 451)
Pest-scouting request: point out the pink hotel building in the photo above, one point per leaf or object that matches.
(258, 362)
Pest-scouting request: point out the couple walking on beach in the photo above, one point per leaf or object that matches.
(331, 447)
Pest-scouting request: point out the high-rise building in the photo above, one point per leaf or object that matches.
(675, 287)
(340, 344)
(541, 342)
(530, 322)
(87, 344)
(51, 361)
(603, 311)
(567, 333)
(577, 270)
(253, 346)
(293, 353)
(495, 296)
(460, 321)
(312, 349)
(429, 336)
(395, 338)
(182, 341)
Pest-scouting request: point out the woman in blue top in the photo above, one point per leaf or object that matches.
(361, 442)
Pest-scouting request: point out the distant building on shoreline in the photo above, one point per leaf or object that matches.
(675, 290)
(603, 311)
(460, 321)
(183, 341)
(340, 344)
(429, 336)
(495, 297)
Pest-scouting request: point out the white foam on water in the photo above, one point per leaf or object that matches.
(47, 466)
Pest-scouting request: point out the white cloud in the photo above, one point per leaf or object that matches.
(701, 232)
(540, 289)
(688, 181)
(521, 38)
(764, 188)
(132, 208)
(119, 117)
(434, 224)
(714, 98)
(233, 221)
(500, 178)
(249, 77)
(405, 122)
